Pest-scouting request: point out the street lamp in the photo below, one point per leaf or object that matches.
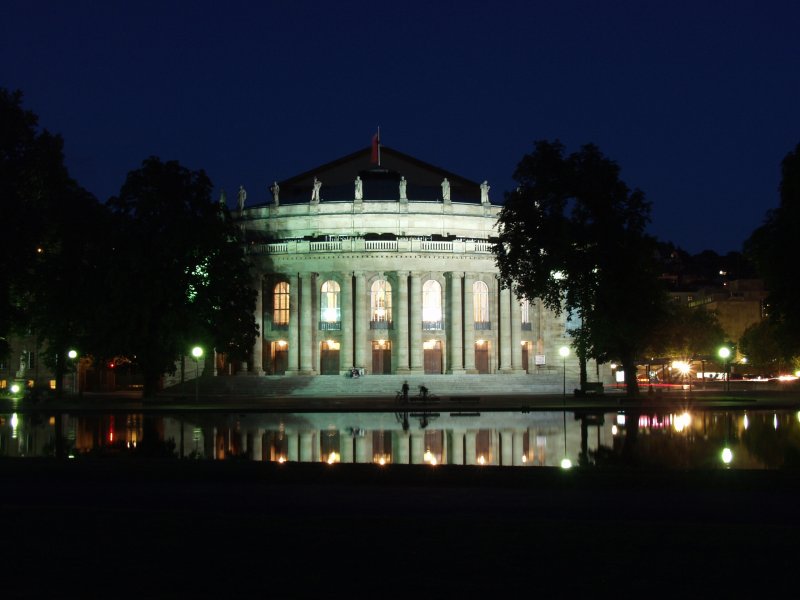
(73, 354)
(197, 352)
(725, 353)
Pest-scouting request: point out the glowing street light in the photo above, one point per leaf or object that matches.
(725, 353)
(197, 352)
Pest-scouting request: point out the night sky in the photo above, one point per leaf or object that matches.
(697, 101)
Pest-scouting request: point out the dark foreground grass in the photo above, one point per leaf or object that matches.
(124, 528)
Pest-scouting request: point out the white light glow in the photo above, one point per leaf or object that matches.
(566, 463)
(727, 456)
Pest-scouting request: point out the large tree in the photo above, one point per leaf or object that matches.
(773, 248)
(180, 275)
(572, 235)
(47, 250)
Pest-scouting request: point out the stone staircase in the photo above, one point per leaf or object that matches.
(379, 386)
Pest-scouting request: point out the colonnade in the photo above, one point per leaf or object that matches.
(354, 336)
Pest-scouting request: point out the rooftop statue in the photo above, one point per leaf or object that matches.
(403, 184)
(445, 190)
(359, 188)
(485, 192)
(242, 197)
(276, 190)
(315, 191)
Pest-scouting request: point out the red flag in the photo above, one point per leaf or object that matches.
(376, 148)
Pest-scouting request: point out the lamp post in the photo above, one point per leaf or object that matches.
(724, 354)
(73, 354)
(564, 352)
(197, 352)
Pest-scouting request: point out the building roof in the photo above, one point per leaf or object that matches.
(380, 182)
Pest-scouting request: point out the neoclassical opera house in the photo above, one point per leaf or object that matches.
(386, 267)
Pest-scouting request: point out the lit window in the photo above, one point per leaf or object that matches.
(432, 304)
(381, 301)
(480, 302)
(525, 312)
(280, 314)
(329, 303)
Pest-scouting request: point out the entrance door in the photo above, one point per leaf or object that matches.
(433, 357)
(525, 363)
(279, 355)
(381, 357)
(482, 356)
(329, 358)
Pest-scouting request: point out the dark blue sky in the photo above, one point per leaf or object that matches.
(697, 101)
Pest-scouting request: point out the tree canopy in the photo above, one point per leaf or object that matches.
(572, 235)
(773, 248)
(179, 274)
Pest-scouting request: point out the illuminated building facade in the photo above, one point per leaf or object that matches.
(387, 268)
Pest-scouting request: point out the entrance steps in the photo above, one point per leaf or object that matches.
(387, 386)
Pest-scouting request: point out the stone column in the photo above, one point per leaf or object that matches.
(516, 336)
(257, 446)
(469, 324)
(505, 330)
(470, 447)
(417, 447)
(306, 446)
(363, 446)
(257, 368)
(346, 447)
(400, 319)
(457, 438)
(294, 325)
(292, 444)
(401, 457)
(361, 324)
(346, 351)
(415, 294)
(307, 325)
(519, 448)
(506, 447)
(456, 342)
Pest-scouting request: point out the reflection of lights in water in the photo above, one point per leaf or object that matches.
(682, 421)
(281, 459)
(620, 419)
(481, 460)
(566, 463)
(614, 430)
(745, 421)
(14, 425)
(333, 457)
(524, 459)
(727, 456)
(775, 420)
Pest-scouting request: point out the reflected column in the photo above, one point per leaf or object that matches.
(417, 447)
(257, 445)
(506, 447)
(470, 447)
(402, 448)
(457, 438)
(519, 449)
(306, 448)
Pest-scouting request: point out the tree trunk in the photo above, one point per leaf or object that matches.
(631, 383)
(59, 373)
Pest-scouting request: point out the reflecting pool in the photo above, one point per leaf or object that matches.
(734, 439)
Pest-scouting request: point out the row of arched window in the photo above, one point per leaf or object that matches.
(381, 305)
